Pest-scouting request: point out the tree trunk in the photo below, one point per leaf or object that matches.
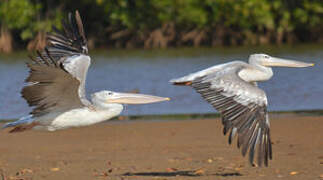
(38, 43)
(5, 40)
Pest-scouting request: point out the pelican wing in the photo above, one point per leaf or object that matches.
(71, 41)
(57, 76)
(243, 108)
(51, 88)
(69, 47)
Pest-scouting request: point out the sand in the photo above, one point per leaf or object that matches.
(142, 150)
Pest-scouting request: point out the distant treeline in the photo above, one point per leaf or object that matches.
(164, 23)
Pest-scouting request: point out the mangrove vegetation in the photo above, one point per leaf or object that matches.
(164, 23)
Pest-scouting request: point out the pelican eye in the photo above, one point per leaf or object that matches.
(266, 56)
(110, 93)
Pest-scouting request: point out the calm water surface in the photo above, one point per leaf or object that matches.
(150, 71)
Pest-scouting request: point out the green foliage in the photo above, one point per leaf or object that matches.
(244, 17)
(192, 13)
(166, 10)
(132, 14)
(309, 13)
(16, 14)
(23, 15)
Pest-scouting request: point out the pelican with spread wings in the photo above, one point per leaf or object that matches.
(56, 86)
(232, 89)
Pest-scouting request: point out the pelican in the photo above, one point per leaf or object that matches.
(56, 85)
(231, 88)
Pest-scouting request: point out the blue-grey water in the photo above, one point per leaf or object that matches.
(150, 71)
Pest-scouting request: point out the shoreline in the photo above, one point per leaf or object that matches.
(178, 117)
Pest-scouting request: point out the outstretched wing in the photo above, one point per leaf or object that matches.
(51, 88)
(243, 108)
(57, 76)
(70, 48)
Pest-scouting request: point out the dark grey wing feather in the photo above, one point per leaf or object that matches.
(69, 47)
(243, 108)
(51, 88)
(70, 41)
(57, 76)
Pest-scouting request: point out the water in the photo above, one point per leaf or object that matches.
(150, 71)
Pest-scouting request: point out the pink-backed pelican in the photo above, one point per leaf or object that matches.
(56, 86)
(232, 89)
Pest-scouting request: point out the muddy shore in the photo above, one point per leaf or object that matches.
(144, 150)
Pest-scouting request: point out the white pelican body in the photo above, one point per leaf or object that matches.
(77, 118)
(56, 86)
(232, 89)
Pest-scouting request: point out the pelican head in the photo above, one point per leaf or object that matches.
(268, 61)
(110, 97)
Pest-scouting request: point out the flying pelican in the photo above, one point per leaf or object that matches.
(232, 89)
(56, 86)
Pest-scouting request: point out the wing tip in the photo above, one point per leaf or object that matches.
(71, 38)
(24, 127)
(184, 83)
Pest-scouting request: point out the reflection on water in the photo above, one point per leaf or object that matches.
(150, 71)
